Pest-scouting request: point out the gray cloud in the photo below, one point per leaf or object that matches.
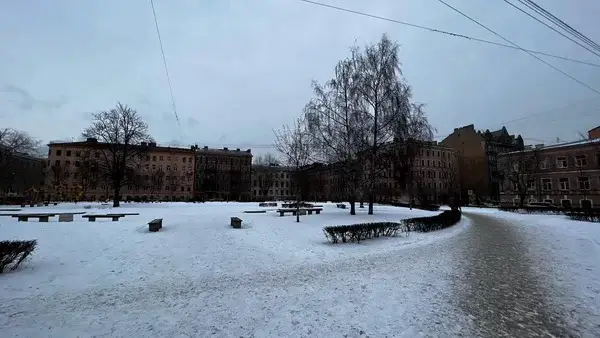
(27, 102)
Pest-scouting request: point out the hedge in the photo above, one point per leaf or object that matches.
(588, 215)
(15, 252)
(359, 232)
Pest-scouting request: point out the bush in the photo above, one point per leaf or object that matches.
(431, 223)
(11, 251)
(358, 232)
(429, 207)
(588, 215)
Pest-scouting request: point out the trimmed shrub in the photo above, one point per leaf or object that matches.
(431, 223)
(358, 232)
(15, 252)
(429, 207)
(588, 216)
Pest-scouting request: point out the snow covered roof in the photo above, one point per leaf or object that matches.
(559, 145)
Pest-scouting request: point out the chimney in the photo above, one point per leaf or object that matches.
(248, 150)
(237, 149)
(225, 148)
(92, 140)
(205, 147)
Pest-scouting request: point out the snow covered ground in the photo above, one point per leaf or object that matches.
(83, 266)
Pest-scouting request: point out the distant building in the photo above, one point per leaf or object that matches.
(280, 179)
(566, 174)
(223, 174)
(594, 133)
(21, 175)
(163, 173)
(477, 153)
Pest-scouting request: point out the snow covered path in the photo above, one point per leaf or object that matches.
(503, 274)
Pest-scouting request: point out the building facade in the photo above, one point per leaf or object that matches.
(75, 172)
(21, 175)
(273, 182)
(477, 153)
(566, 175)
(223, 174)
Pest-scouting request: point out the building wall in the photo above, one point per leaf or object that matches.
(175, 166)
(283, 187)
(20, 173)
(594, 133)
(558, 183)
(223, 174)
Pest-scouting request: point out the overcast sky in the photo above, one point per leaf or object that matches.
(240, 68)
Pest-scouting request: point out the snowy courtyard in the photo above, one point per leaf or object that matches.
(198, 276)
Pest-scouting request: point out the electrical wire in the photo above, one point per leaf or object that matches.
(435, 30)
(162, 51)
(552, 28)
(514, 44)
(561, 23)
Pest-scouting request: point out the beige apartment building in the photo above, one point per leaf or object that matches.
(162, 173)
(566, 174)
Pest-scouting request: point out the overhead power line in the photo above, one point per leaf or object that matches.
(162, 51)
(550, 27)
(457, 35)
(561, 23)
(514, 44)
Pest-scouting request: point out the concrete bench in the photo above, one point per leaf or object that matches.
(301, 211)
(114, 217)
(236, 222)
(40, 217)
(255, 211)
(155, 225)
(341, 205)
(267, 204)
(316, 210)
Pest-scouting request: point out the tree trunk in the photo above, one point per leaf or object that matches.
(371, 201)
(298, 207)
(116, 197)
(522, 199)
(352, 204)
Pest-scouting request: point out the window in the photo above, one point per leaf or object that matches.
(563, 183)
(68, 153)
(58, 152)
(585, 204)
(160, 158)
(67, 163)
(544, 164)
(183, 160)
(598, 159)
(57, 162)
(154, 158)
(580, 160)
(78, 153)
(168, 168)
(531, 185)
(546, 184)
(551, 201)
(584, 183)
(561, 162)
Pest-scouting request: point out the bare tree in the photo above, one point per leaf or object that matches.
(176, 179)
(60, 174)
(335, 119)
(293, 143)
(266, 174)
(155, 181)
(121, 131)
(521, 169)
(13, 142)
(87, 171)
(388, 114)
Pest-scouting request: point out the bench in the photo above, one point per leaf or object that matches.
(26, 217)
(255, 211)
(114, 217)
(302, 211)
(267, 204)
(155, 225)
(341, 205)
(236, 222)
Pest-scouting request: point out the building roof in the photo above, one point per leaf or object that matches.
(224, 151)
(558, 146)
(94, 143)
(598, 127)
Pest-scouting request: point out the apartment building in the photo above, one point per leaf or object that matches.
(477, 153)
(273, 182)
(432, 179)
(223, 174)
(566, 174)
(21, 175)
(75, 172)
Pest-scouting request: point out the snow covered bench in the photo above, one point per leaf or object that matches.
(114, 217)
(302, 211)
(236, 222)
(341, 205)
(155, 225)
(40, 217)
